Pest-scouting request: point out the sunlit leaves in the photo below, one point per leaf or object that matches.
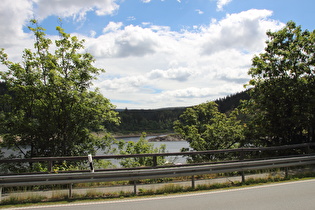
(283, 80)
(50, 108)
(205, 128)
(140, 147)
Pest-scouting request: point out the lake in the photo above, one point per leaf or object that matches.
(171, 146)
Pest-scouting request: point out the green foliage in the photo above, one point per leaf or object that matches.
(49, 108)
(205, 128)
(140, 147)
(282, 106)
(151, 120)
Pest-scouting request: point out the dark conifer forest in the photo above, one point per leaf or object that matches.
(135, 121)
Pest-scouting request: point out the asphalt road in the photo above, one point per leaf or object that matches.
(291, 195)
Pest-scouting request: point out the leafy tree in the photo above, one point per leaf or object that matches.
(49, 108)
(283, 98)
(140, 147)
(205, 128)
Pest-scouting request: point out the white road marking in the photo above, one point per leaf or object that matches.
(163, 197)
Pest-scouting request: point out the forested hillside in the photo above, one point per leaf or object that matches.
(161, 120)
(232, 101)
(150, 120)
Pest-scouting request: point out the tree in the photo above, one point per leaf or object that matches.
(49, 108)
(205, 128)
(283, 93)
(140, 147)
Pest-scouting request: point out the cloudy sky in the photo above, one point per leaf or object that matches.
(159, 53)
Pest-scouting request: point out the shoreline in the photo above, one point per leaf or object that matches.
(156, 137)
(139, 135)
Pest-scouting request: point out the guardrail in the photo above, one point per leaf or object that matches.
(138, 174)
(240, 151)
(134, 174)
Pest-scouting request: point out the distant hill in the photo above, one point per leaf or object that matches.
(135, 121)
(230, 102)
(161, 120)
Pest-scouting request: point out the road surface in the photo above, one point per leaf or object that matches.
(289, 196)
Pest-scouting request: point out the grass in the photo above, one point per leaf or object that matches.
(25, 199)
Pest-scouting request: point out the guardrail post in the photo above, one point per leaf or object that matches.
(155, 161)
(70, 190)
(308, 149)
(50, 166)
(243, 177)
(242, 172)
(135, 187)
(193, 181)
(286, 172)
(0, 194)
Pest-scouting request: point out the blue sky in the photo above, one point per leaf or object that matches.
(160, 53)
(185, 14)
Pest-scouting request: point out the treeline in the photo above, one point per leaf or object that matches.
(161, 120)
(150, 121)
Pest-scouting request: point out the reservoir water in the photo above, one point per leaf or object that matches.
(171, 146)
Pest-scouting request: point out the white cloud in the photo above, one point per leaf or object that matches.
(179, 74)
(222, 3)
(112, 26)
(130, 41)
(146, 23)
(74, 8)
(151, 66)
(14, 14)
(191, 96)
(200, 12)
(131, 18)
(243, 31)
(92, 33)
(191, 92)
(132, 84)
(162, 68)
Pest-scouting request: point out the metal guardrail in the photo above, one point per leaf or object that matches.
(240, 151)
(134, 175)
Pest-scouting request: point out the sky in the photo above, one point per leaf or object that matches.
(159, 53)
